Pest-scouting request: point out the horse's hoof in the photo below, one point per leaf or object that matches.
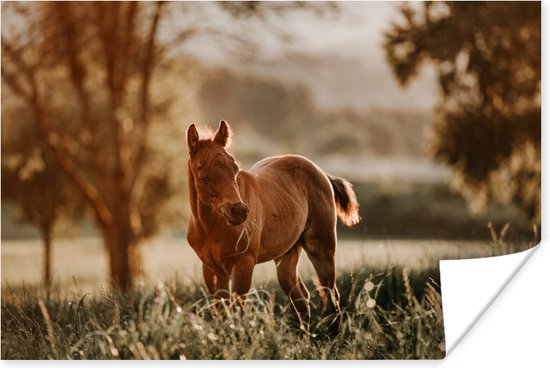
(299, 326)
(331, 325)
(335, 327)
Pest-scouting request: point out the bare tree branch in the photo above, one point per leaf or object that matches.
(148, 65)
(13, 83)
(77, 76)
(63, 157)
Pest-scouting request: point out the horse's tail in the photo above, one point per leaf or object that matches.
(346, 201)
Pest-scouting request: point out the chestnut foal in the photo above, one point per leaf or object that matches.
(243, 217)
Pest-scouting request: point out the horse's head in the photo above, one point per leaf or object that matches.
(214, 172)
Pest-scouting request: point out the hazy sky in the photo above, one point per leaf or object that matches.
(339, 56)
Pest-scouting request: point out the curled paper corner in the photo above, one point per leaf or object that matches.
(470, 286)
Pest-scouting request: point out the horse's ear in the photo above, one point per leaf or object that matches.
(192, 138)
(223, 135)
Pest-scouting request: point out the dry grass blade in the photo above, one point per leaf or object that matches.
(49, 326)
(408, 290)
(433, 298)
(249, 234)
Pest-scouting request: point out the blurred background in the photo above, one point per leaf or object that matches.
(431, 110)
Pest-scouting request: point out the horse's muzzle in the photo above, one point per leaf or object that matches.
(236, 213)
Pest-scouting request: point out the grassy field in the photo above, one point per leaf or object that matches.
(390, 297)
(389, 314)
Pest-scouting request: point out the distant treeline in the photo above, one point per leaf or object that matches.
(430, 211)
(271, 116)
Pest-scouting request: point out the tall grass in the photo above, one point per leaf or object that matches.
(388, 314)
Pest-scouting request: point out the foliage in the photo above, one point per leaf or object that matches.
(31, 178)
(391, 210)
(261, 9)
(389, 314)
(488, 59)
(33, 182)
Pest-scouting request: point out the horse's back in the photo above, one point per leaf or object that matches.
(265, 162)
(290, 164)
(294, 174)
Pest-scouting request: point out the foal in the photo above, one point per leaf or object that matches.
(282, 205)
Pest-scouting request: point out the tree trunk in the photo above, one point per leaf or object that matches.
(118, 242)
(47, 239)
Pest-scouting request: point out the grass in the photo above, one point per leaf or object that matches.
(83, 261)
(388, 314)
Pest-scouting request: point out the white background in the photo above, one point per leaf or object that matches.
(515, 330)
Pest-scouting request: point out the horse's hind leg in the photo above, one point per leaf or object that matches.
(320, 246)
(292, 284)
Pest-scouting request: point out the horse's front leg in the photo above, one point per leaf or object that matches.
(217, 286)
(241, 278)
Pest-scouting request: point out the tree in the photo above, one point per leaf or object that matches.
(487, 125)
(33, 183)
(85, 72)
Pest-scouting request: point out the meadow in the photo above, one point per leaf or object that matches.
(390, 296)
(391, 314)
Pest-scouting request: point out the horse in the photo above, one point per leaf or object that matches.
(281, 206)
